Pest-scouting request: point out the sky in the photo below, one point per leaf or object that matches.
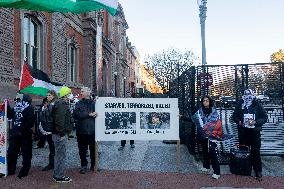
(236, 31)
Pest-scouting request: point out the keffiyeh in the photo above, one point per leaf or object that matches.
(248, 97)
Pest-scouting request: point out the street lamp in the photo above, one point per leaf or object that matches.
(202, 16)
(124, 86)
(115, 83)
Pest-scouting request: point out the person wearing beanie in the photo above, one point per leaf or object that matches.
(21, 135)
(62, 127)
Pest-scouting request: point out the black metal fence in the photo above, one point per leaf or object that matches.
(226, 83)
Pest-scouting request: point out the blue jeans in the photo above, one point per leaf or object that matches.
(60, 155)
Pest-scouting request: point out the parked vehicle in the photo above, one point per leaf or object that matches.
(263, 98)
(228, 101)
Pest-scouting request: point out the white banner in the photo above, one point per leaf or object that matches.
(137, 119)
(3, 138)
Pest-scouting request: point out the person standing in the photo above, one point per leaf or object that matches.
(21, 135)
(84, 114)
(250, 115)
(123, 143)
(62, 127)
(209, 116)
(47, 125)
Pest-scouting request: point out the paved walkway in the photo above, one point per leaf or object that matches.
(151, 164)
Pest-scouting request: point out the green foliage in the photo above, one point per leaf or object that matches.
(277, 56)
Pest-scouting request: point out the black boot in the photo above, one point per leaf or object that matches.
(258, 175)
(23, 173)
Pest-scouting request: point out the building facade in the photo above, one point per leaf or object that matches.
(89, 49)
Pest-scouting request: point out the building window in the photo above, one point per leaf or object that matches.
(31, 41)
(73, 59)
(72, 63)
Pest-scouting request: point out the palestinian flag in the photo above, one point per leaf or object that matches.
(63, 6)
(34, 81)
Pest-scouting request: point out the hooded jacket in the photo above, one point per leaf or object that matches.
(255, 108)
(23, 117)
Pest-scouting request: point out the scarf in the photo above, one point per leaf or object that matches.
(248, 97)
(18, 109)
(212, 117)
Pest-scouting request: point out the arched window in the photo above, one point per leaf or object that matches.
(73, 59)
(31, 41)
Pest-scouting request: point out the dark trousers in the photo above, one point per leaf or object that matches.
(123, 142)
(41, 142)
(50, 142)
(251, 138)
(85, 142)
(209, 153)
(17, 143)
(51, 149)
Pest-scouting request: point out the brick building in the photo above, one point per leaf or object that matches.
(76, 50)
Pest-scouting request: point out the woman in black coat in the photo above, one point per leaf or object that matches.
(249, 115)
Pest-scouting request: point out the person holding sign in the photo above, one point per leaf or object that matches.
(249, 115)
(208, 127)
(85, 115)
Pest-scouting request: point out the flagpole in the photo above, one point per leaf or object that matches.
(6, 133)
(22, 69)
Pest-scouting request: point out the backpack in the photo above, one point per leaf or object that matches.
(213, 129)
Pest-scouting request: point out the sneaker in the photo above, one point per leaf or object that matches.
(204, 170)
(83, 170)
(63, 179)
(120, 148)
(132, 146)
(214, 176)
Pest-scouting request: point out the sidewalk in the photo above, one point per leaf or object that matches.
(151, 164)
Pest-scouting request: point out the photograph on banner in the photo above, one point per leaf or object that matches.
(155, 120)
(137, 119)
(120, 120)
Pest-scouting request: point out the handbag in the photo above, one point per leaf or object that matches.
(240, 161)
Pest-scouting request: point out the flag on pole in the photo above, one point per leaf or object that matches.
(63, 6)
(34, 81)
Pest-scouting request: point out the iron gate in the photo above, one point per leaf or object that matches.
(225, 83)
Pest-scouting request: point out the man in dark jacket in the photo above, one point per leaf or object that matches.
(249, 115)
(62, 127)
(85, 115)
(21, 135)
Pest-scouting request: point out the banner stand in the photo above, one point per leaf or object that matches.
(3, 140)
(178, 156)
(96, 156)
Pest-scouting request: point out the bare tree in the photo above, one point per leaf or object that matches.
(169, 65)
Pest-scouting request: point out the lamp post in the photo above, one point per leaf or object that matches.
(115, 83)
(202, 16)
(124, 86)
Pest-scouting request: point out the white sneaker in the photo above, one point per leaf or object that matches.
(214, 176)
(204, 170)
